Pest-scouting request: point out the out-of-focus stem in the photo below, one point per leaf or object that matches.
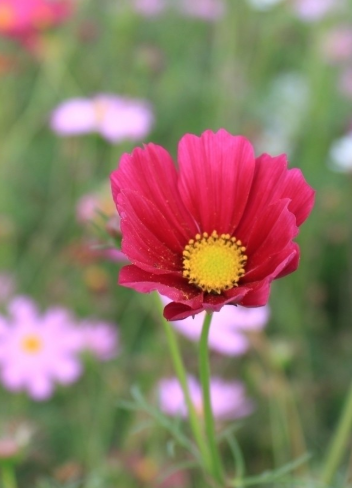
(338, 445)
(8, 477)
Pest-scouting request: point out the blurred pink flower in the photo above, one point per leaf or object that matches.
(114, 255)
(203, 9)
(23, 19)
(336, 45)
(36, 351)
(228, 399)
(149, 8)
(227, 327)
(100, 339)
(86, 208)
(115, 118)
(312, 10)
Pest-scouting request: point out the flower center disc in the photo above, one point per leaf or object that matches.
(31, 344)
(214, 263)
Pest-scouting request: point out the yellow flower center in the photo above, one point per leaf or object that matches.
(214, 263)
(31, 344)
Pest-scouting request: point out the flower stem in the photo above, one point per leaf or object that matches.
(204, 371)
(182, 378)
(338, 444)
(8, 476)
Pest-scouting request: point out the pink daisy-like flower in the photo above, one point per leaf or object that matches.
(216, 231)
(227, 327)
(100, 339)
(228, 399)
(23, 19)
(37, 351)
(115, 118)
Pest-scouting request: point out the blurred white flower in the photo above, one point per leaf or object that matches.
(282, 111)
(263, 4)
(341, 154)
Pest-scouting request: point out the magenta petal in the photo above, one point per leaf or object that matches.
(292, 263)
(179, 311)
(149, 239)
(151, 173)
(272, 182)
(272, 230)
(216, 172)
(174, 287)
(258, 295)
(275, 265)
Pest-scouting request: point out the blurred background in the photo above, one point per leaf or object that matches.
(82, 82)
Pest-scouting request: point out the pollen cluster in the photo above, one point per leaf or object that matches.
(214, 263)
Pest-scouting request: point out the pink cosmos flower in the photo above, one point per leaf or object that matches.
(203, 9)
(115, 118)
(37, 351)
(228, 399)
(100, 339)
(227, 327)
(216, 231)
(23, 19)
(311, 10)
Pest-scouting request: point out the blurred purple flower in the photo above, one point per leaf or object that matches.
(115, 118)
(36, 351)
(149, 8)
(227, 327)
(228, 399)
(203, 9)
(312, 10)
(100, 339)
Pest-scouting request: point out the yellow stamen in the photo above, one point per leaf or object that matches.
(32, 344)
(214, 263)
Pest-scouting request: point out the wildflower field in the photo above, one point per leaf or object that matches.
(175, 243)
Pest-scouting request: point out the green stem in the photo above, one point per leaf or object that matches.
(339, 442)
(182, 378)
(204, 371)
(8, 476)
